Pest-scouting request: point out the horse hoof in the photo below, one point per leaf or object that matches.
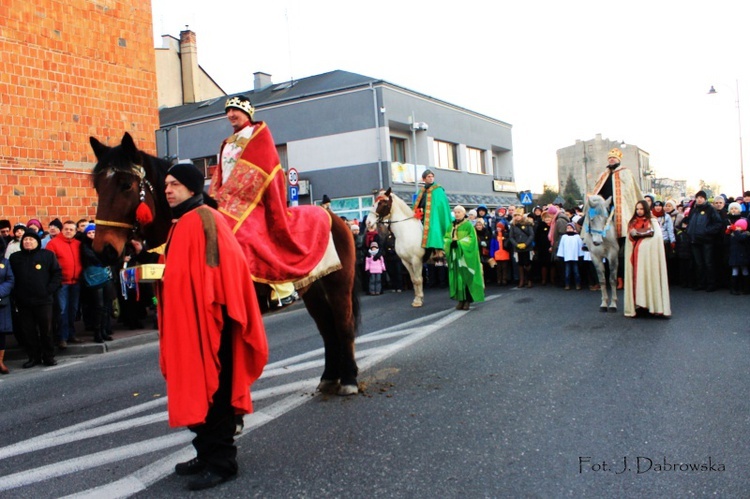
(347, 390)
(416, 304)
(613, 309)
(329, 386)
(602, 309)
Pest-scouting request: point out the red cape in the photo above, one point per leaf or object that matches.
(190, 300)
(282, 243)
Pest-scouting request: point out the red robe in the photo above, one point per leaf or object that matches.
(282, 243)
(191, 296)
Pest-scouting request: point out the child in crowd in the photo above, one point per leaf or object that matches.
(739, 256)
(570, 250)
(375, 265)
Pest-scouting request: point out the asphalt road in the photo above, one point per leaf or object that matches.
(534, 393)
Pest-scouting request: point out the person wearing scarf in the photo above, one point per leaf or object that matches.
(212, 342)
(646, 283)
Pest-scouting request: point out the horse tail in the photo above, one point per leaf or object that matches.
(356, 312)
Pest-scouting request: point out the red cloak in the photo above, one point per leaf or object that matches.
(282, 243)
(191, 296)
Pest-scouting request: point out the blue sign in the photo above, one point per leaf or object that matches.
(294, 195)
(526, 198)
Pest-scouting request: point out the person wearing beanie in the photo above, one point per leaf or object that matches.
(325, 202)
(5, 229)
(38, 276)
(34, 224)
(521, 236)
(283, 244)
(15, 243)
(704, 228)
(465, 279)
(739, 257)
(433, 209)
(208, 365)
(375, 265)
(53, 230)
(619, 183)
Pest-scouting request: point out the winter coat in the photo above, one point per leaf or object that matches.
(6, 288)
(68, 253)
(37, 274)
(704, 224)
(522, 233)
(375, 265)
(739, 249)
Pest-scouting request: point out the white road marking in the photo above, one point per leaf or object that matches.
(409, 333)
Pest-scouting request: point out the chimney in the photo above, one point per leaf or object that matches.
(189, 59)
(261, 81)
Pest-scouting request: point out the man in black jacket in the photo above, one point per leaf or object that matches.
(38, 277)
(703, 227)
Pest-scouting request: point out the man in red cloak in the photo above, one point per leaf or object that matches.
(283, 243)
(212, 340)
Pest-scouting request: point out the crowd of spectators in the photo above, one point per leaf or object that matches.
(707, 246)
(46, 289)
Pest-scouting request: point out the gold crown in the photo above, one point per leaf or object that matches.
(241, 104)
(615, 153)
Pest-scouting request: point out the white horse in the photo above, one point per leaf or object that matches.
(392, 211)
(599, 236)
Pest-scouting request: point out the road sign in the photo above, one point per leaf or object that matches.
(293, 195)
(526, 198)
(293, 176)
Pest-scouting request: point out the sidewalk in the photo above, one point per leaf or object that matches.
(122, 338)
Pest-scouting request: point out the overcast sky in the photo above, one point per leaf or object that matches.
(558, 71)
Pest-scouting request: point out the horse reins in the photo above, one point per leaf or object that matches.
(602, 232)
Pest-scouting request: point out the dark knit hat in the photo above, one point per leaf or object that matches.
(30, 233)
(326, 199)
(19, 225)
(56, 223)
(4, 224)
(701, 194)
(189, 176)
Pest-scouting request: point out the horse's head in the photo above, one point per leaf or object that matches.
(123, 179)
(382, 208)
(597, 220)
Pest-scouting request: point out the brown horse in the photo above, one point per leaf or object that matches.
(124, 176)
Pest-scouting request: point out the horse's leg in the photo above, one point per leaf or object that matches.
(613, 264)
(414, 267)
(600, 274)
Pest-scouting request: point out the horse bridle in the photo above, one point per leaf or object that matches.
(143, 183)
(389, 222)
(604, 231)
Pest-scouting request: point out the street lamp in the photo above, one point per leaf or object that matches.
(713, 91)
(416, 127)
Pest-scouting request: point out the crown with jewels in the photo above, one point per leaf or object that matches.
(243, 104)
(615, 153)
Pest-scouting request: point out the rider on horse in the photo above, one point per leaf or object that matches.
(433, 209)
(284, 244)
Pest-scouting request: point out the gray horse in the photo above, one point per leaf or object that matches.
(599, 236)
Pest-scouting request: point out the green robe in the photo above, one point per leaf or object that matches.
(464, 265)
(436, 217)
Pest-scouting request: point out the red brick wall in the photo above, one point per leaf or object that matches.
(69, 69)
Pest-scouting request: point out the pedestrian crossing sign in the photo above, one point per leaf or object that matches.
(526, 198)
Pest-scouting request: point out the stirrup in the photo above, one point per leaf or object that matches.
(280, 303)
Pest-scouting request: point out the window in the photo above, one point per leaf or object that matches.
(352, 208)
(445, 155)
(283, 156)
(207, 165)
(398, 150)
(475, 162)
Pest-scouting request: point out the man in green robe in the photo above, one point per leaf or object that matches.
(433, 209)
(465, 278)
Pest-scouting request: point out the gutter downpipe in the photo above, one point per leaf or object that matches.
(377, 132)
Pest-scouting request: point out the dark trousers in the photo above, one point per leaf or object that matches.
(395, 269)
(36, 325)
(214, 439)
(703, 259)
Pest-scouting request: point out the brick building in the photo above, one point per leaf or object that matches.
(69, 69)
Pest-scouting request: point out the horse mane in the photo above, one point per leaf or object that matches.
(399, 204)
